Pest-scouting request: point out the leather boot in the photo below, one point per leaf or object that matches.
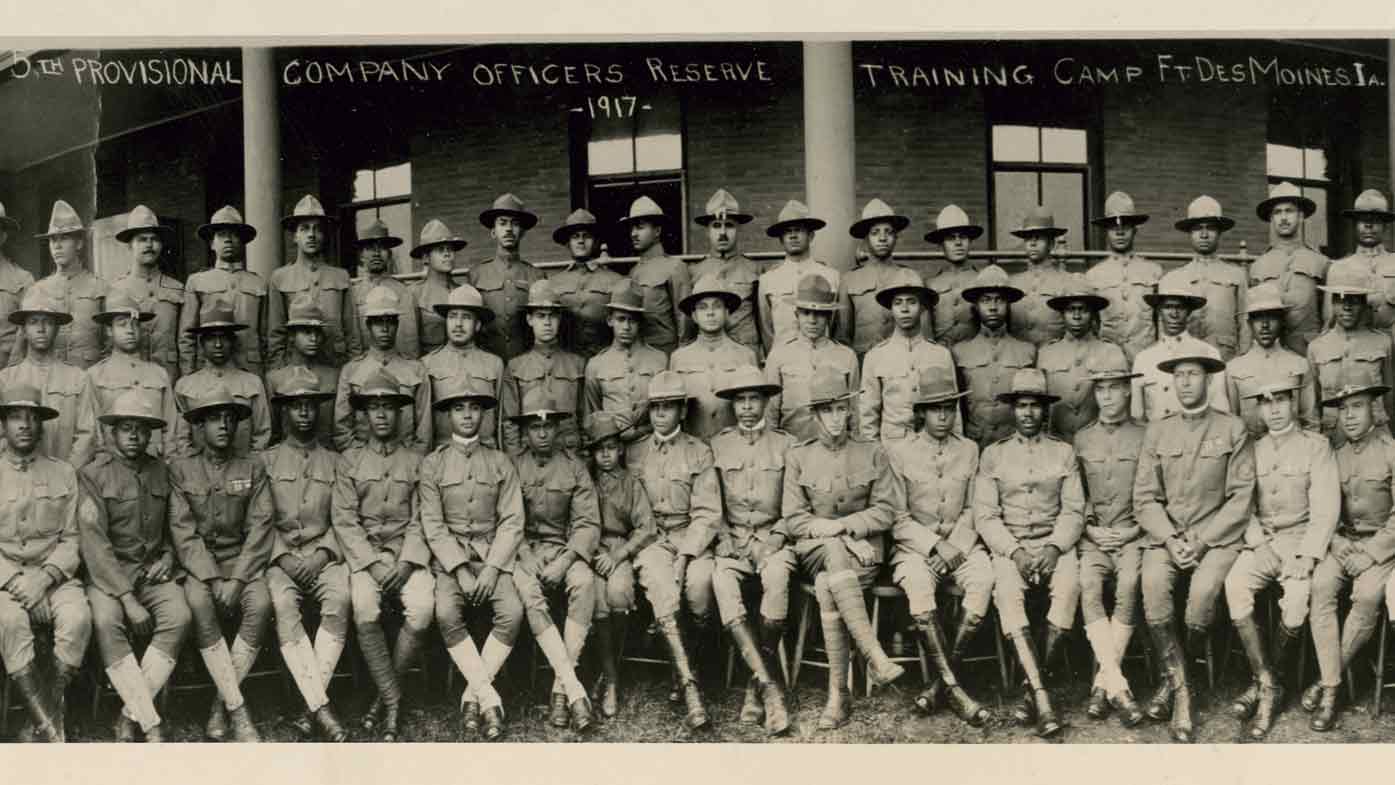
(329, 725)
(932, 637)
(774, 710)
(125, 730)
(1286, 645)
(243, 729)
(217, 727)
(155, 735)
(1269, 691)
(27, 683)
(1051, 652)
(372, 643)
(835, 644)
(1047, 724)
(696, 716)
(557, 715)
(1311, 697)
(493, 722)
(372, 714)
(63, 675)
(1159, 705)
(1325, 713)
(752, 712)
(1098, 706)
(847, 595)
(606, 694)
(1169, 652)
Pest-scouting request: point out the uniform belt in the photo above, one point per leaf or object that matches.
(673, 520)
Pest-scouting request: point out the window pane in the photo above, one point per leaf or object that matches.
(394, 181)
(1063, 193)
(1315, 228)
(1014, 195)
(659, 138)
(1315, 164)
(1283, 160)
(363, 185)
(1063, 146)
(610, 149)
(1015, 143)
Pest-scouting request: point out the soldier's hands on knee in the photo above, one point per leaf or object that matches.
(1023, 562)
(937, 565)
(823, 528)
(161, 569)
(483, 590)
(142, 623)
(1267, 560)
(1181, 553)
(1298, 567)
(1047, 559)
(603, 564)
(293, 566)
(399, 577)
(952, 557)
(41, 613)
(231, 595)
(381, 574)
(1357, 561)
(555, 572)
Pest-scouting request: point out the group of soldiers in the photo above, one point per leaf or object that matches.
(481, 447)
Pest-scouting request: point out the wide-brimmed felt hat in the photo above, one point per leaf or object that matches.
(645, 209)
(667, 386)
(227, 217)
(710, 285)
(25, 396)
(747, 378)
(217, 315)
(1285, 192)
(382, 303)
(119, 302)
(1175, 285)
(464, 388)
(579, 219)
(63, 220)
(465, 297)
(1039, 220)
(604, 425)
(508, 204)
(907, 281)
(1209, 364)
(794, 213)
(435, 233)
(1028, 383)
(538, 404)
(8, 225)
(37, 302)
(300, 383)
(376, 233)
(542, 295)
(1272, 385)
(305, 311)
(1348, 390)
(1264, 298)
(1109, 369)
(134, 404)
(724, 206)
(1205, 209)
(1346, 281)
(216, 398)
(380, 385)
(627, 296)
(815, 293)
(1080, 290)
(992, 279)
(142, 219)
(953, 220)
(828, 386)
(1119, 210)
(1370, 204)
(877, 211)
(307, 209)
(937, 384)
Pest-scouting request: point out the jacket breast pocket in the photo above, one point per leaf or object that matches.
(49, 501)
(558, 492)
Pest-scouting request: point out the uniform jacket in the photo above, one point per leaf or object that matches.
(1379, 264)
(329, 285)
(559, 504)
(934, 494)
(1366, 468)
(891, 383)
(617, 380)
(779, 287)
(1361, 356)
(1298, 270)
(665, 282)
(302, 487)
(1128, 321)
(681, 482)
(487, 371)
(705, 364)
(1032, 319)
(1067, 363)
(1153, 396)
(742, 276)
(471, 506)
(751, 475)
(247, 292)
(849, 482)
(1028, 493)
(870, 321)
(41, 508)
(1247, 370)
(627, 522)
(558, 371)
(1297, 497)
(953, 315)
(1195, 478)
(14, 282)
(413, 422)
(431, 326)
(791, 365)
(81, 341)
(222, 519)
(988, 362)
(132, 528)
(585, 292)
(374, 506)
(1108, 455)
(121, 372)
(408, 314)
(253, 433)
(163, 296)
(1221, 322)
(503, 286)
(72, 437)
(328, 377)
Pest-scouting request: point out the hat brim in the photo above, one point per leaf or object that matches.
(937, 399)
(972, 231)
(658, 218)
(1273, 391)
(113, 419)
(107, 317)
(1119, 376)
(1131, 219)
(360, 401)
(1154, 300)
(847, 396)
(487, 401)
(1255, 310)
(1264, 208)
(634, 310)
(860, 228)
(562, 235)
(314, 395)
(928, 297)
(555, 305)
(289, 222)
(485, 315)
(730, 393)
(591, 440)
(305, 324)
(19, 317)
(242, 410)
(739, 218)
(1188, 224)
(1383, 216)
(1346, 291)
(1094, 302)
(213, 327)
(1374, 389)
(778, 228)
(1049, 231)
(45, 235)
(1209, 364)
(44, 413)
(246, 231)
(1012, 293)
(675, 398)
(387, 242)
(376, 314)
(125, 235)
(1013, 397)
(455, 243)
(732, 300)
(552, 415)
(526, 218)
(806, 305)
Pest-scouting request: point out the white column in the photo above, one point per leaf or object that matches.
(261, 159)
(829, 182)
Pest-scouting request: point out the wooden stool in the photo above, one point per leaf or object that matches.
(808, 606)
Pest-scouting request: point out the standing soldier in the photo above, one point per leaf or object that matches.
(65, 388)
(678, 476)
(1124, 278)
(470, 505)
(617, 379)
(724, 259)
(1153, 395)
(226, 499)
(434, 288)
(128, 549)
(754, 543)
(1269, 356)
(1067, 361)
(73, 286)
(160, 294)
(1371, 213)
(305, 330)
(838, 502)
(664, 280)
(1110, 545)
(989, 359)
(461, 358)
(1349, 352)
(627, 528)
(1192, 494)
(1294, 267)
(1297, 499)
(584, 286)
(382, 311)
(124, 369)
(1045, 276)
(1362, 552)
(375, 243)
(878, 228)
(953, 319)
(935, 536)
(779, 285)
(797, 359)
(892, 370)
(305, 556)
(311, 273)
(44, 507)
(230, 280)
(709, 359)
(1030, 510)
(545, 366)
(505, 279)
(216, 333)
(561, 528)
(374, 514)
(14, 282)
(1221, 322)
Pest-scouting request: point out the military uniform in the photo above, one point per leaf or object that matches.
(1067, 363)
(409, 343)
(556, 370)
(450, 364)
(988, 361)
(704, 364)
(15, 281)
(328, 377)
(872, 322)
(65, 388)
(1108, 454)
(1379, 264)
(952, 316)
(329, 285)
(741, 276)
(414, 422)
(253, 435)
(434, 289)
(1221, 322)
(1360, 356)
(1033, 320)
(247, 292)
(778, 288)
(584, 289)
(80, 295)
(163, 296)
(121, 372)
(627, 527)
(616, 381)
(891, 374)
(1153, 398)
(1123, 280)
(1245, 371)
(504, 284)
(1298, 270)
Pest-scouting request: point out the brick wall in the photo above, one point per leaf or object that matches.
(71, 177)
